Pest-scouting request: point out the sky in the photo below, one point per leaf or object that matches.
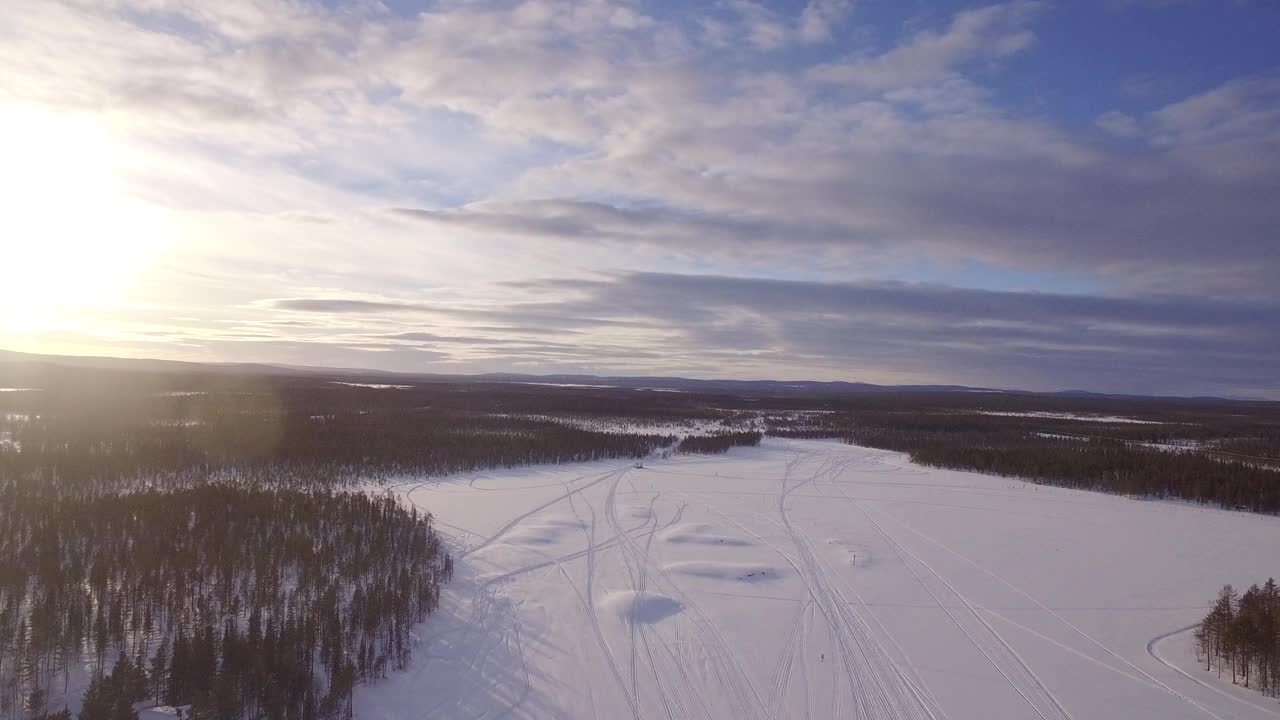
(1034, 194)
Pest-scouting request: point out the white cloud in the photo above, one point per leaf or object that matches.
(990, 32)
(820, 18)
(1118, 124)
(1245, 108)
(765, 29)
(570, 138)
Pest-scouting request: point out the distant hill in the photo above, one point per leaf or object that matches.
(757, 387)
(14, 363)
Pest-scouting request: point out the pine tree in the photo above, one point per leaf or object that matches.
(36, 699)
(179, 685)
(160, 669)
(98, 701)
(1241, 631)
(122, 709)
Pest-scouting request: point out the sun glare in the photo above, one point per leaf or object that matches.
(71, 237)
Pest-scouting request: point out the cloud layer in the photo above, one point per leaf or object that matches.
(742, 188)
(700, 323)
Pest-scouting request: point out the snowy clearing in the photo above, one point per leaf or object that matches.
(648, 426)
(1072, 416)
(1179, 446)
(812, 579)
(563, 385)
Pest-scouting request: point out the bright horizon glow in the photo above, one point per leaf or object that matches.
(74, 238)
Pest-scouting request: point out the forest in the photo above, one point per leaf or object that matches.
(720, 442)
(193, 541)
(234, 600)
(1240, 637)
(1187, 452)
(85, 439)
(1090, 463)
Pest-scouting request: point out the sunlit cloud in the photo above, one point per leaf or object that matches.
(491, 185)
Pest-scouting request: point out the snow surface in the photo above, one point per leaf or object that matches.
(375, 386)
(1178, 446)
(1073, 416)
(646, 426)
(812, 579)
(163, 712)
(565, 385)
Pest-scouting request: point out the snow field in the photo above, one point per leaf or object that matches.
(812, 579)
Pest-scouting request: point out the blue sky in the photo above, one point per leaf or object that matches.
(612, 187)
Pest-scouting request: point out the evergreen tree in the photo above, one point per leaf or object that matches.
(99, 700)
(159, 675)
(1239, 635)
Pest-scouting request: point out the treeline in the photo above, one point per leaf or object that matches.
(242, 602)
(83, 454)
(64, 390)
(1241, 637)
(807, 426)
(1171, 459)
(718, 442)
(1100, 465)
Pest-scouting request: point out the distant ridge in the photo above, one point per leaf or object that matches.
(770, 387)
(10, 359)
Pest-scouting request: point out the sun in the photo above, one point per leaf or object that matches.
(71, 237)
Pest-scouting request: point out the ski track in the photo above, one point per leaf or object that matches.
(990, 643)
(1152, 650)
(1057, 616)
(692, 659)
(891, 693)
(726, 664)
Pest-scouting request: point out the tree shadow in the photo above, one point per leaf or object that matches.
(471, 659)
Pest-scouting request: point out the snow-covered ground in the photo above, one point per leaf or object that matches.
(730, 422)
(1178, 446)
(811, 579)
(1072, 416)
(565, 385)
